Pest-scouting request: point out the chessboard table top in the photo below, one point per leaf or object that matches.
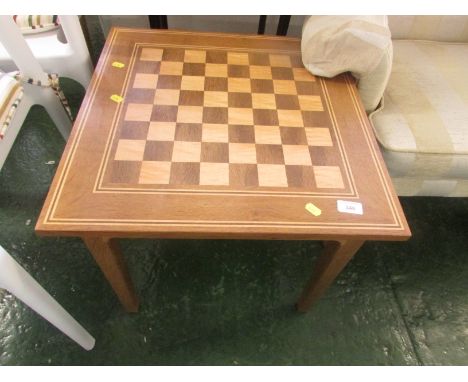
(210, 135)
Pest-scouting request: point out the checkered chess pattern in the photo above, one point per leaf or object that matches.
(220, 118)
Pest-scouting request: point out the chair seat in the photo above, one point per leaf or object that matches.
(423, 124)
(36, 23)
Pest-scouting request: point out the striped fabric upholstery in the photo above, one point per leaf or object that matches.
(423, 125)
(432, 28)
(36, 23)
(11, 92)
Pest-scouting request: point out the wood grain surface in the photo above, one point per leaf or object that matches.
(218, 136)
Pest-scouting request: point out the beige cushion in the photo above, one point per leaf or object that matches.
(423, 125)
(358, 44)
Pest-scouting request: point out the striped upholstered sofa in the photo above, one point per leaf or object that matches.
(422, 122)
(416, 95)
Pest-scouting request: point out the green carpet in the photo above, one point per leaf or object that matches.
(231, 302)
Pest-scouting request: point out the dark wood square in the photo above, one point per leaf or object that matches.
(140, 95)
(238, 71)
(241, 134)
(279, 73)
(189, 132)
(315, 118)
(126, 172)
(262, 86)
(215, 152)
(259, 59)
(217, 84)
(158, 151)
(293, 136)
(265, 117)
(240, 100)
(307, 88)
(173, 54)
(187, 173)
(134, 130)
(164, 113)
(191, 98)
(269, 154)
(193, 69)
(216, 57)
(300, 176)
(148, 67)
(215, 115)
(169, 82)
(287, 102)
(243, 175)
(324, 156)
(296, 61)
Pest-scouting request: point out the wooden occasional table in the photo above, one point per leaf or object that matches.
(219, 136)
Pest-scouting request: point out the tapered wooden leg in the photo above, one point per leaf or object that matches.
(107, 254)
(334, 258)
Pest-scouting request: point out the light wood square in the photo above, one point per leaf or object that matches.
(130, 149)
(215, 133)
(263, 101)
(186, 151)
(242, 153)
(192, 83)
(328, 177)
(310, 103)
(216, 70)
(284, 87)
(240, 116)
(151, 54)
(190, 114)
(297, 154)
(171, 68)
(318, 136)
(235, 58)
(260, 72)
(166, 97)
(280, 60)
(239, 85)
(272, 175)
(139, 112)
(301, 74)
(145, 81)
(267, 135)
(214, 174)
(161, 131)
(196, 56)
(215, 99)
(291, 118)
(155, 172)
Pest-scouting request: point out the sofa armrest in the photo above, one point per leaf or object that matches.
(358, 44)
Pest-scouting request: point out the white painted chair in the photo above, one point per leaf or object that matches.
(13, 277)
(13, 41)
(62, 51)
(19, 283)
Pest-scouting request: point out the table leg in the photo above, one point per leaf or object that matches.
(107, 254)
(335, 256)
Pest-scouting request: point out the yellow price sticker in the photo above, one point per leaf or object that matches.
(313, 209)
(116, 98)
(117, 64)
